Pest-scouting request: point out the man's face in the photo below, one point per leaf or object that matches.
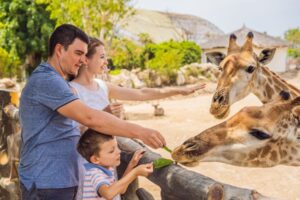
(72, 58)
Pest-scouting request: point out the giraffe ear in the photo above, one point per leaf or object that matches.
(296, 111)
(296, 107)
(266, 56)
(215, 57)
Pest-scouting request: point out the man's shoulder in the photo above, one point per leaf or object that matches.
(44, 70)
(45, 75)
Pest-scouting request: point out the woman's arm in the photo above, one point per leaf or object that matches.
(122, 93)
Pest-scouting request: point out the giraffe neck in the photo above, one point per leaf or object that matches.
(279, 153)
(267, 85)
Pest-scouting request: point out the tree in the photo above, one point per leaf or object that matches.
(24, 31)
(293, 36)
(9, 66)
(98, 18)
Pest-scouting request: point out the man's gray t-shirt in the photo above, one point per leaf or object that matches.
(48, 155)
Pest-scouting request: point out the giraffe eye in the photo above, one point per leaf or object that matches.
(259, 134)
(190, 146)
(250, 69)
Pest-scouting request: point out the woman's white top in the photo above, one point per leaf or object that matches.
(96, 99)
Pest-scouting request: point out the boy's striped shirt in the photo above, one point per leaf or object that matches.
(95, 177)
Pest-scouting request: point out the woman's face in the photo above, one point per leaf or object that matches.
(98, 62)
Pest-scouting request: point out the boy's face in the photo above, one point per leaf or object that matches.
(109, 155)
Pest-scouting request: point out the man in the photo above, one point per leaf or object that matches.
(49, 161)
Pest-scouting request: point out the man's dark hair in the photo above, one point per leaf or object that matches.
(89, 143)
(65, 34)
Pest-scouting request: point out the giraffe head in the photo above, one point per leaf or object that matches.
(239, 68)
(255, 137)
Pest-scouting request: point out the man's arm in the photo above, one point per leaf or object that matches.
(109, 124)
(149, 93)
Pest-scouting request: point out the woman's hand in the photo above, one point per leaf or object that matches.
(115, 108)
(191, 89)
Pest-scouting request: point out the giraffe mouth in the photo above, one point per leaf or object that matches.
(190, 164)
(223, 113)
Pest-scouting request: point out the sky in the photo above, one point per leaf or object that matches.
(271, 16)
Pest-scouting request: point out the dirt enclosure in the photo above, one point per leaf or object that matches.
(186, 117)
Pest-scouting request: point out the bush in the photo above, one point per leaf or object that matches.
(125, 54)
(166, 58)
(294, 53)
(9, 66)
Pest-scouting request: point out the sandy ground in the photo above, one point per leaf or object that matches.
(186, 117)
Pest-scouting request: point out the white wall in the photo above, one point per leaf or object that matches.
(278, 63)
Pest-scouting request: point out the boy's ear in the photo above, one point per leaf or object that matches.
(94, 159)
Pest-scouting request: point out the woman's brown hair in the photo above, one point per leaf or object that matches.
(94, 42)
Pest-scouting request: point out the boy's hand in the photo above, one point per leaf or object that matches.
(136, 157)
(144, 169)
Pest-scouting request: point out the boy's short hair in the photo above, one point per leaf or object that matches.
(65, 35)
(89, 143)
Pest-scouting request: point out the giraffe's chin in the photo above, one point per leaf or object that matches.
(222, 114)
(190, 164)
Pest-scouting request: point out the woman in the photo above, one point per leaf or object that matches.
(96, 93)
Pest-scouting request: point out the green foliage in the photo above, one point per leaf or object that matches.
(125, 54)
(162, 162)
(168, 57)
(8, 65)
(25, 28)
(293, 36)
(97, 18)
(294, 53)
(145, 38)
(115, 72)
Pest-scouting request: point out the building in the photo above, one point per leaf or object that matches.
(260, 42)
(164, 26)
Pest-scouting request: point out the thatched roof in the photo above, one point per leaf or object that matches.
(163, 26)
(260, 40)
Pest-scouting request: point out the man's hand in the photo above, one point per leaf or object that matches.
(152, 138)
(115, 108)
(192, 89)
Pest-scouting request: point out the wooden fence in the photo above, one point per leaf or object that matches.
(176, 182)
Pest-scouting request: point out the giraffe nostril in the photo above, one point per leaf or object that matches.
(221, 99)
(215, 98)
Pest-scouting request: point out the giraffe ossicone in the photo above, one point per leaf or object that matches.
(244, 72)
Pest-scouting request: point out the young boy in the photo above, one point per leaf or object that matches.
(103, 155)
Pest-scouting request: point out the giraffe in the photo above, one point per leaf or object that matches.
(257, 136)
(243, 72)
